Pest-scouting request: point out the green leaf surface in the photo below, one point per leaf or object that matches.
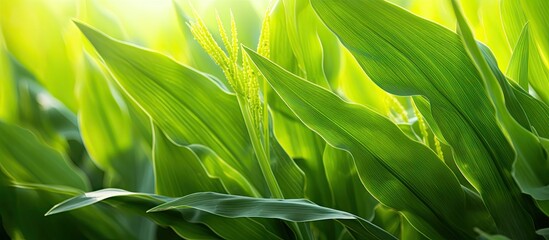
(26, 159)
(39, 111)
(23, 214)
(536, 13)
(427, 59)
(188, 106)
(526, 66)
(295, 210)
(107, 131)
(343, 180)
(178, 220)
(134, 202)
(513, 19)
(232, 206)
(179, 171)
(530, 168)
(387, 170)
(40, 42)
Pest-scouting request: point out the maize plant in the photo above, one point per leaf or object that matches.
(289, 119)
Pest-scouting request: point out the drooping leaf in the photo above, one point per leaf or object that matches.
(178, 220)
(530, 168)
(185, 104)
(427, 59)
(179, 171)
(387, 170)
(232, 206)
(295, 210)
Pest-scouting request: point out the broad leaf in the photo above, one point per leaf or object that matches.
(26, 159)
(295, 210)
(188, 106)
(107, 131)
(427, 59)
(388, 170)
(180, 220)
(232, 206)
(179, 171)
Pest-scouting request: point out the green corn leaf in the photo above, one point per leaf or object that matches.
(343, 180)
(39, 111)
(530, 167)
(513, 19)
(526, 66)
(98, 196)
(177, 220)
(295, 210)
(233, 181)
(536, 13)
(528, 111)
(518, 65)
(179, 171)
(429, 60)
(26, 159)
(26, 162)
(137, 203)
(303, 29)
(302, 144)
(232, 206)
(90, 223)
(436, 208)
(42, 41)
(106, 128)
(185, 104)
(388, 219)
(181, 94)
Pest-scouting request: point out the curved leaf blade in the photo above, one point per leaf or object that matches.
(295, 210)
(26, 159)
(232, 206)
(427, 59)
(187, 105)
(386, 168)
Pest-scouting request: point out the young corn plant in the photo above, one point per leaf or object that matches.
(349, 120)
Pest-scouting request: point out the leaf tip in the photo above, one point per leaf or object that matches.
(156, 209)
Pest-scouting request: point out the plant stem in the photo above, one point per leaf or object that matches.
(262, 158)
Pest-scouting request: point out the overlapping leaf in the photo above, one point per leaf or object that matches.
(185, 104)
(421, 58)
(25, 161)
(388, 170)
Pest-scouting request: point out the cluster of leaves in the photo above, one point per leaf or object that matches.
(350, 120)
